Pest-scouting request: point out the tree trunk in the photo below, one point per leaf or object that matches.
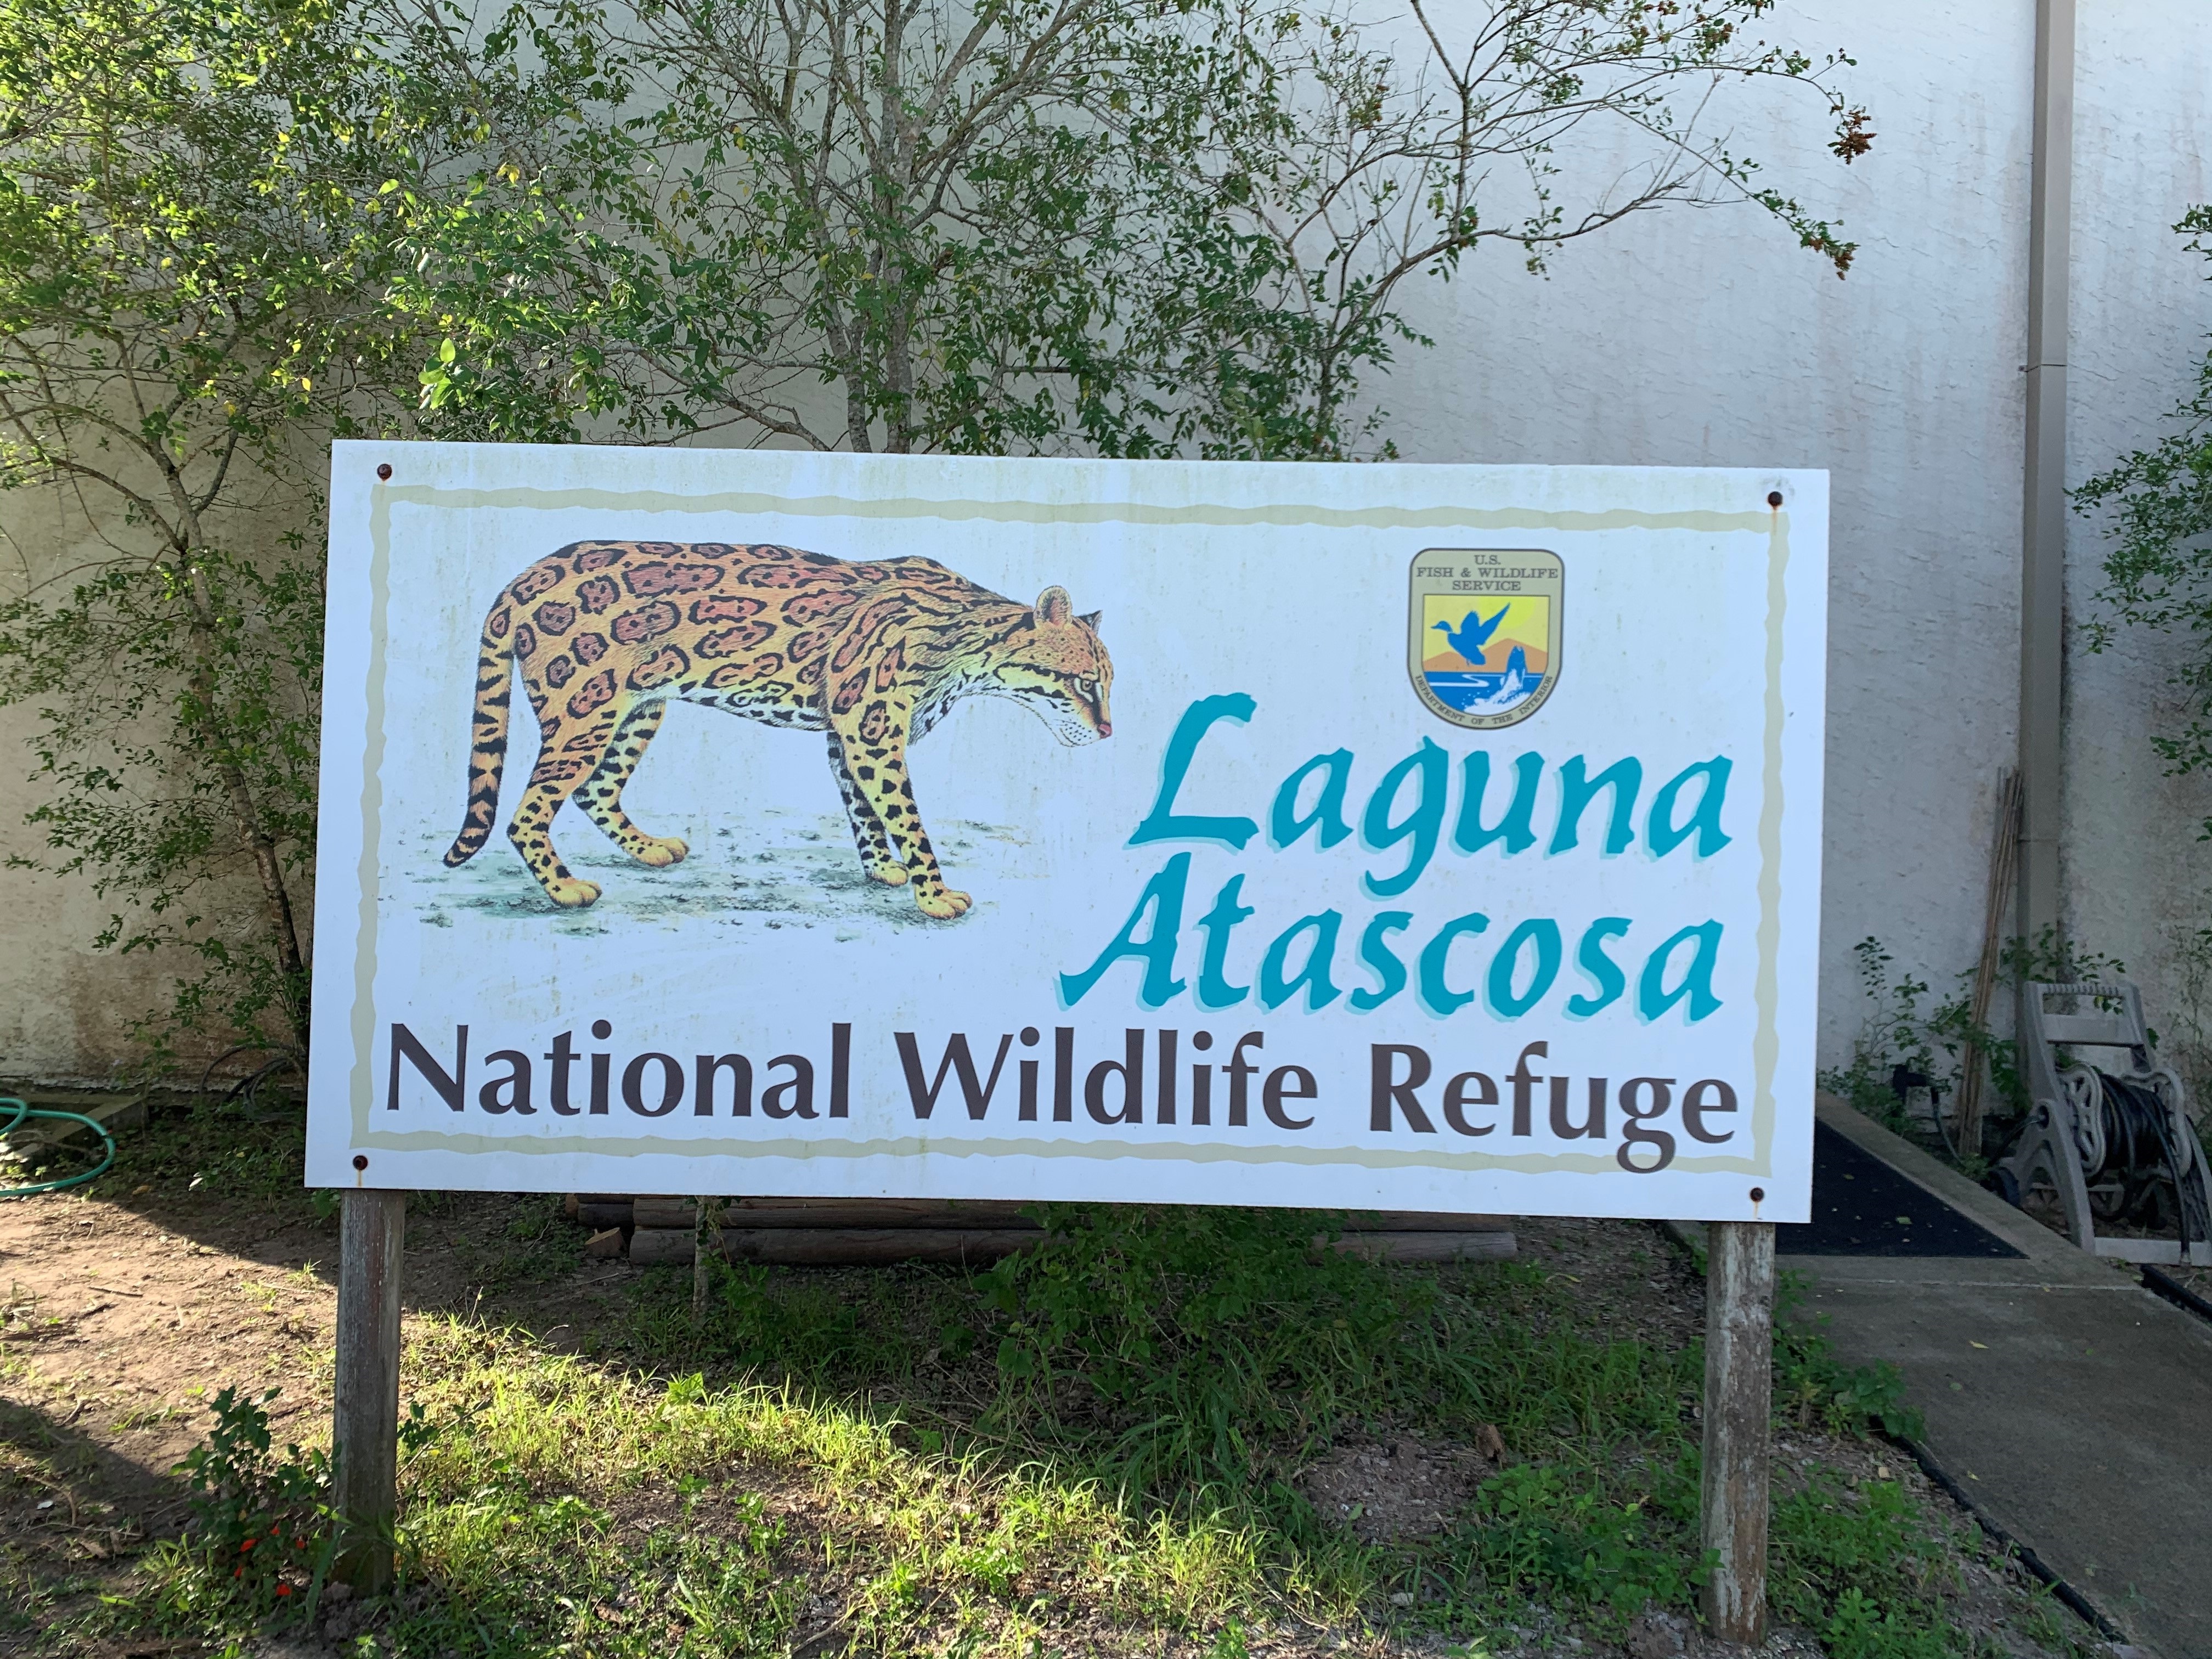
(253, 831)
(187, 538)
(891, 147)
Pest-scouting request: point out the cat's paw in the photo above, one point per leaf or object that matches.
(571, 892)
(943, 903)
(660, 851)
(891, 875)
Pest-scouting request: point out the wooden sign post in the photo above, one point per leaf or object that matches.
(1739, 1413)
(365, 1432)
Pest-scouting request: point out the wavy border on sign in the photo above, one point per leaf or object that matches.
(1766, 992)
(369, 870)
(1766, 1035)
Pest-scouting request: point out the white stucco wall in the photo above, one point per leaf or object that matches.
(2136, 872)
(65, 1009)
(1709, 338)
(68, 1009)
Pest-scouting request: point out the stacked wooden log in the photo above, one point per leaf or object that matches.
(852, 1232)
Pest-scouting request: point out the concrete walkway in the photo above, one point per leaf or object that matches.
(2072, 1405)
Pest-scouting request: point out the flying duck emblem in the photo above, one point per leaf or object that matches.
(1498, 613)
(1472, 633)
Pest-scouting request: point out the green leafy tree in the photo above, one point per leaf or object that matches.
(192, 270)
(1129, 226)
(2157, 505)
(231, 229)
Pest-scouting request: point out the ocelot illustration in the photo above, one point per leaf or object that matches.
(874, 654)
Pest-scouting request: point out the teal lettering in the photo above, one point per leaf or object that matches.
(1214, 990)
(1162, 897)
(1275, 990)
(1605, 974)
(1439, 998)
(1504, 968)
(1653, 999)
(1516, 829)
(1624, 777)
(1659, 834)
(1284, 823)
(1389, 972)
(1423, 824)
(1164, 822)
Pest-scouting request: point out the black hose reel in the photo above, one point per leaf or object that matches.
(2108, 1128)
(2138, 1180)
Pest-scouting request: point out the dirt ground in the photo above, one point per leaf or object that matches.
(119, 1320)
(121, 1317)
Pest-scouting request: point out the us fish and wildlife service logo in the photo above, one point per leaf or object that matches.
(1484, 633)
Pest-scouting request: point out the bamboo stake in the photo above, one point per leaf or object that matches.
(2004, 854)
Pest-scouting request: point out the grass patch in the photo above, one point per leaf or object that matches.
(205, 1147)
(1106, 1445)
(1099, 1446)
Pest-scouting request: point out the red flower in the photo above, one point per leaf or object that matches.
(284, 1589)
(248, 1545)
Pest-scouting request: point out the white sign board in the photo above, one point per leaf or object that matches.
(1419, 837)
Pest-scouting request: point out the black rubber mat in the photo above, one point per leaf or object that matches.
(1861, 1206)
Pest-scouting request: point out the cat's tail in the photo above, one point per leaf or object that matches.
(488, 749)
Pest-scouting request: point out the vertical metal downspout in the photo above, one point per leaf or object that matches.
(2043, 552)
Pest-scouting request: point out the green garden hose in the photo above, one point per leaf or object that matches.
(25, 1110)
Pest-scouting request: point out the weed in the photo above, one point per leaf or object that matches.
(2055, 1627)
(1905, 1036)
(1859, 1566)
(1230, 1642)
(1811, 1386)
(1861, 1628)
(1898, 1036)
(1580, 1546)
(258, 1517)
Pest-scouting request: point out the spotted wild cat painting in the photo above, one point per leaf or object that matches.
(873, 653)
